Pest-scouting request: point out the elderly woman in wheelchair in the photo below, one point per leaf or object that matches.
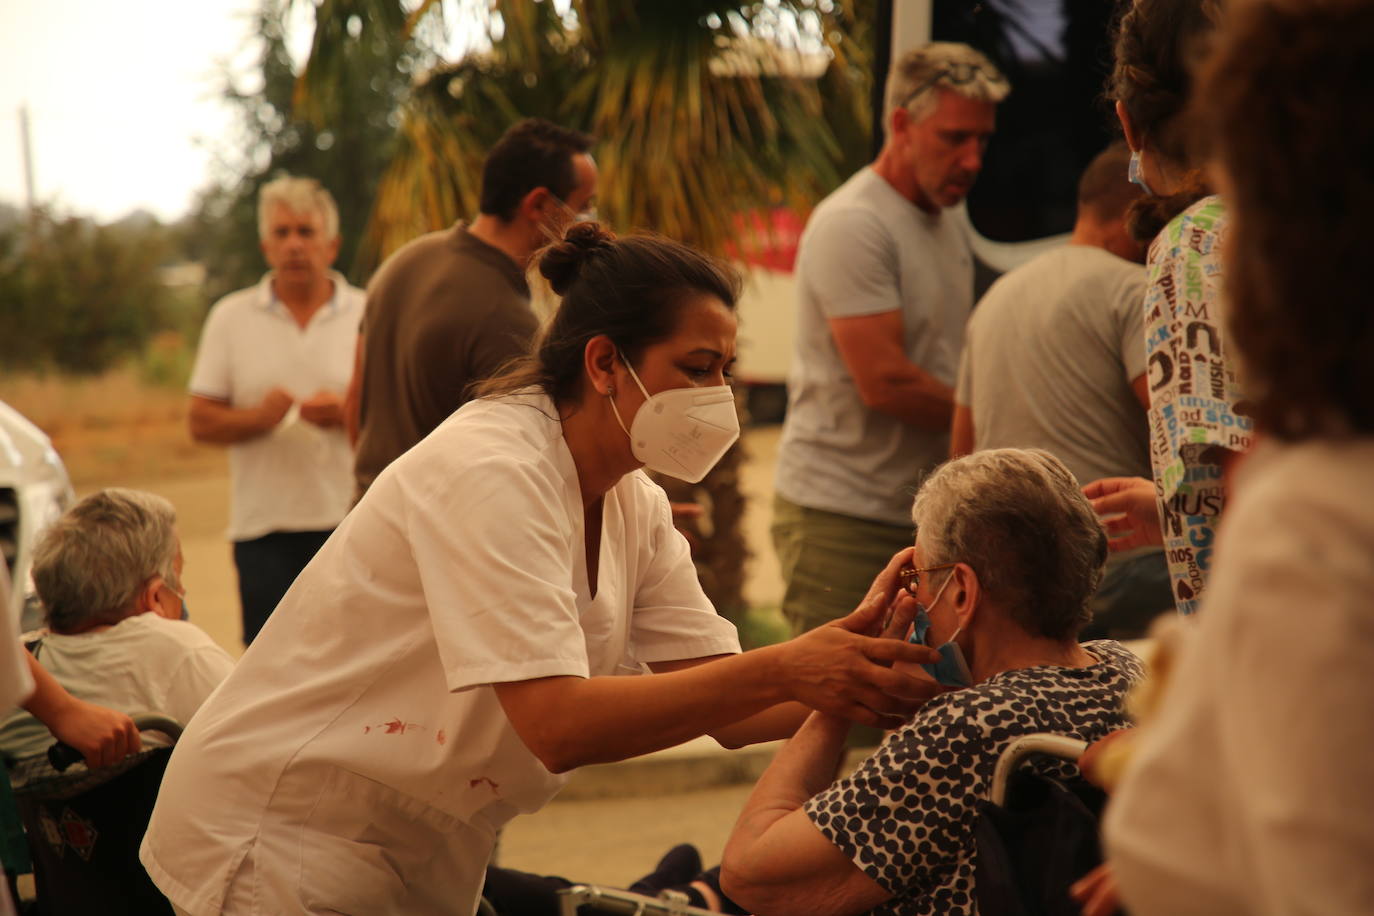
(1007, 553)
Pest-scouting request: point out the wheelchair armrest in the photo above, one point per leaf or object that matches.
(1054, 745)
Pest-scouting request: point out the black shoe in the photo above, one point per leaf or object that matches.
(679, 865)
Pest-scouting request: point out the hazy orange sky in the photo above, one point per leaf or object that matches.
(118, 94)
(124, 95)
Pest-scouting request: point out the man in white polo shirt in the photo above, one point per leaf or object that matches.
(269, 380)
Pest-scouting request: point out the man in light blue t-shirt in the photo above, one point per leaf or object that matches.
(885, 284)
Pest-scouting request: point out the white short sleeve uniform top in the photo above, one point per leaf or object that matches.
(358, 759)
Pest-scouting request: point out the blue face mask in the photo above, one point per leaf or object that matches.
(952, 669)
(1136, 175)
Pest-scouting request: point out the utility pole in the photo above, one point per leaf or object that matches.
(26, 142)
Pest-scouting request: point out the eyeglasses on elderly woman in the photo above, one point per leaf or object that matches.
(910, 577)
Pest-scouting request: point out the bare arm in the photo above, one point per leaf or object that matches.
(888, 382)
(353, 400)
(1141, 386)
(776, 861)
(214, 422)
(961, 432)
(570, 721)
(773, 723)
(102, 735)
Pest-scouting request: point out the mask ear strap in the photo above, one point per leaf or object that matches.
(634, 375)
(936, 600)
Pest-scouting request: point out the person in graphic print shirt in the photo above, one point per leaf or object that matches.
(1198, 422)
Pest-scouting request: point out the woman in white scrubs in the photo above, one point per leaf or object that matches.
(446, 655)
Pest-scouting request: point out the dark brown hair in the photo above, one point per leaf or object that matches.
(629, 289)
(534, 153)
(1157, 45)
(1289, 103)
(1103, 188)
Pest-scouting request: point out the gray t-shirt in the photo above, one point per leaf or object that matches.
(1051, 352)
(868, 250)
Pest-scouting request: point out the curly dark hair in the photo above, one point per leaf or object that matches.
(1289, 103)
(1157, 45)
(630, 288)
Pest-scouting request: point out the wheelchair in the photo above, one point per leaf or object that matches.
(1035, 837)
(84, 826)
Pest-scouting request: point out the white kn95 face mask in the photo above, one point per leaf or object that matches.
(682, 432)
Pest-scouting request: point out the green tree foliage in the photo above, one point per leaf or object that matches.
(702, 109)
(343, 138)
(77, 296)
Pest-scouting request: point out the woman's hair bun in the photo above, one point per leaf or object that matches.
(561, 263)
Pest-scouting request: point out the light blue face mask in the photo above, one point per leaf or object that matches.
(952, 669)
(1136, 175)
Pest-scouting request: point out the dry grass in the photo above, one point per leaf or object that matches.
(112, 426)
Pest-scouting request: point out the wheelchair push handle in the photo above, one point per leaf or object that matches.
(62, 755)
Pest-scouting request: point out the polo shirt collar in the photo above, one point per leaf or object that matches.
(265, 299)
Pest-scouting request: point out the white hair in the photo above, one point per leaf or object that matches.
(89, 565)
(303, 195)
(1018, 517)
(939, 65)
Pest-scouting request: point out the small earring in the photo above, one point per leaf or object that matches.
(610, 391)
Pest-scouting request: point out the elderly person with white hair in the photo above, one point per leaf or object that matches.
(1007, 554)
(109, 575)
(271, 372)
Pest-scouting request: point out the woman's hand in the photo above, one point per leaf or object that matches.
(846, 668)
(103, 736)
(882, 612)
(1096, 892)
(1129, 509)
(1105, 759)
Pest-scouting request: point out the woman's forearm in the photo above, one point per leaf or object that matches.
(805, 766)
(569, 722)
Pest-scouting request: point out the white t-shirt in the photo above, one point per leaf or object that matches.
(1251, 791)
(143, 664)
(298, 477)
(868, 250)
(358, 759)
